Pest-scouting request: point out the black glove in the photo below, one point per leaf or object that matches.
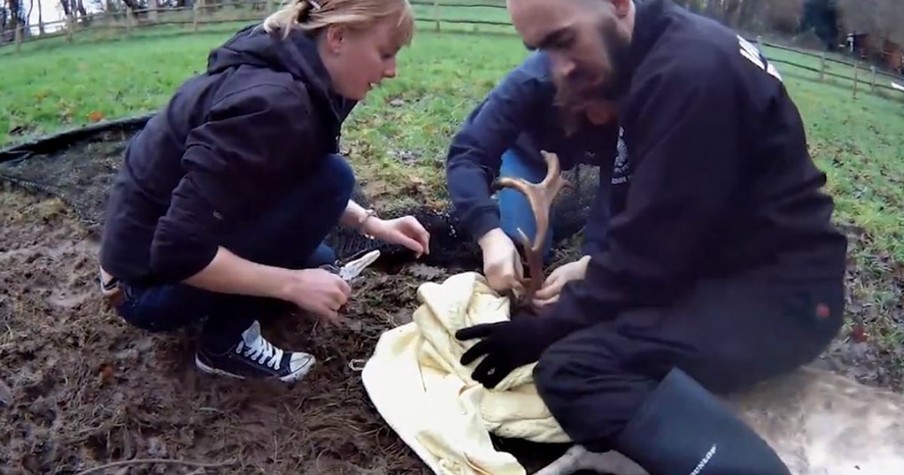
(508, 345)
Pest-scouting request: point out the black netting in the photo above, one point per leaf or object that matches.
(78, 166)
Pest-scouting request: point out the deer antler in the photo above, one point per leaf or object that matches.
(540, 195)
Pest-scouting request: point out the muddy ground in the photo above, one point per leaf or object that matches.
(79, 388)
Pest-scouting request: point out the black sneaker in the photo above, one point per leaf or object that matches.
(253, 357)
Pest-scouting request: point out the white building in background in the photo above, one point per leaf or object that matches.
(51, 12)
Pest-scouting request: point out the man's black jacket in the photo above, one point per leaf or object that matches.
(719, 178)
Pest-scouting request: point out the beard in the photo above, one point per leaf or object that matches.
(599, 77)
(618, 50)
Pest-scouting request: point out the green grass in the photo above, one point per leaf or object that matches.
(53, 85)
(856, 141)
(61, 87)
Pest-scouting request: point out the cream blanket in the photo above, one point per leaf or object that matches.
(417, 384)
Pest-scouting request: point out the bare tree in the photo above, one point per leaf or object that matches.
(16, 17)
(40, 18)
(890, 20)
(781, 15)
(882, 20)
(858, 16)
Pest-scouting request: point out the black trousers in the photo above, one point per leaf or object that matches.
(728, 335)
(290, 236)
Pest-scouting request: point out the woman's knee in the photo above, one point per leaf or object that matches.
(324, 254)
(338, 177)
(147, 319)
(158, 309)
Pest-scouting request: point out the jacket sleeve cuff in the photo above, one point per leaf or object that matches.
(554, 328)
(179, 253)
(593, 247)
(178, 266)
(484, 222)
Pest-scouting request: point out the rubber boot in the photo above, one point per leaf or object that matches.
(682, 429)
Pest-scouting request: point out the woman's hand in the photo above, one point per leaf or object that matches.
(552, 286)
(405, 231)
(317, 291)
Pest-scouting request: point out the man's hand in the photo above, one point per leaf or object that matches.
(317, 291)
(508, 345)
(552, 286)
(405, 231)
(501, 261)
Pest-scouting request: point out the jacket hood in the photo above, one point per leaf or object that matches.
(296, 54)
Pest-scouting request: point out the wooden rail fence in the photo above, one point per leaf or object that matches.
(203, 13)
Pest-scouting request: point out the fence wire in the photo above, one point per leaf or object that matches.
(78, 166)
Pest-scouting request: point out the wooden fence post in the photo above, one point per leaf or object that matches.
(436, 13)
(872, 81)
(195, 12)
(855, 79)
(70, 25)
(128, 21)
(822, 67)
(152, 10)
(18, 37)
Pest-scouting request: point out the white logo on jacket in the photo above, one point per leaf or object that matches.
(620, 170)
(749, 51)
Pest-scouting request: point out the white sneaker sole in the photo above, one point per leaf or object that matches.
(298, 375)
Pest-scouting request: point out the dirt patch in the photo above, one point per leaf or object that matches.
(79, 170)
(79, 388)
(86, 389)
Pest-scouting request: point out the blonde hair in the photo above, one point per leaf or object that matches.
(312, 16)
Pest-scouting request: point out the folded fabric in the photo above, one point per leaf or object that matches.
(418, 386)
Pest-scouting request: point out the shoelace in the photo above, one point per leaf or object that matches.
(263, 352)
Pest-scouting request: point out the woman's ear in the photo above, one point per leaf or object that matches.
(335, 39)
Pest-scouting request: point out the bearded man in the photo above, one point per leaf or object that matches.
(721, 266)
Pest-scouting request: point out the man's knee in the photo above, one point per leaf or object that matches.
(584, 383)
(515, 210)
(566, 367)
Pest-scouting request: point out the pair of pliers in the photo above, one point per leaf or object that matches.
(354, 267)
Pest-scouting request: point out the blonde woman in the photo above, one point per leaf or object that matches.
(227, 193)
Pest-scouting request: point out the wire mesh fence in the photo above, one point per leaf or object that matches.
(78, 167)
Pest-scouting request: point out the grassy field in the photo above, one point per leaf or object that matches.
(60, 340)
(401, 132)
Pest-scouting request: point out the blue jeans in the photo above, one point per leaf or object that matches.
(514, 208)
(290, 236)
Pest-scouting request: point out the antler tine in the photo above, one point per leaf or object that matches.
(540, 196)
